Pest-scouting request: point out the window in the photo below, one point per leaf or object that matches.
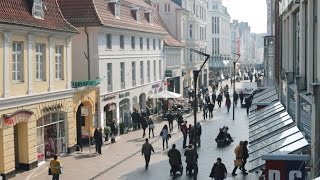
(138, 16)
(59, 62)
(190, 31)
(166, 8)
(117, 10)
(109, 76)
(154, 44)
(148, 43)
(141, 73)
(215, 25)
(40, 62)
(109, 41)
(160, 69)
(17, 64)
(156, 7)
(37, 9)
(121, 41)
(122, 75)
(141, 43)
(154, 70)
(148, 71)
(133, 64)
(159, 42)
(296, 41)
(133, 42)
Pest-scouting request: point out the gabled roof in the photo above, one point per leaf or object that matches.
(101, 15)
(19, 12)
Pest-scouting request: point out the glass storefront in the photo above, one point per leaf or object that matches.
(51, 135)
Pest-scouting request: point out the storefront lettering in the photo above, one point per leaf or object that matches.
(56, 107)
(107, 98)
(16, 117)
(124, 95)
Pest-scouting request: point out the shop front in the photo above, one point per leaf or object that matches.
(124, 112)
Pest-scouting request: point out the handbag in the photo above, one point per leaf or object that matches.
(151, 126)
(238, 162)
(49, 171)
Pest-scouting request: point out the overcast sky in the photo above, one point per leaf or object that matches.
(252, 11)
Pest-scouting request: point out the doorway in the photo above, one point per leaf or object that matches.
(80, 122)
(16, 145)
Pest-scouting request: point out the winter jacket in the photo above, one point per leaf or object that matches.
(245, 153)
(238, 152)
(189, 153)
(164, 133)
(218, 171)
(174, 157)
(55, 167)
(146, 149)
(214, 97)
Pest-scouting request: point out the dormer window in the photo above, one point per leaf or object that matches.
(117, 10)
(149, 16)
(136, 14)
(37, 9)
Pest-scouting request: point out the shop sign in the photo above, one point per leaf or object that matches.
(10, 120)
(56, 107)
(84, 111)
(107, 98)
(124, 95)
(155, 85)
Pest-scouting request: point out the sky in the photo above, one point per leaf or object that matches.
(252, 11)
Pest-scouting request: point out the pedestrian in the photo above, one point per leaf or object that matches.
(174, 159)
(218, 171)
(179, 119)
(210, 108)
(235, 98)
(241, 97)
(165, 135)
(146, 151)
(205, 111)
(135, 118)
(200, 103)
(114, 131)
(214, 98)
(245, 156)
(170, 118)
(184, 130)
(248, 104)
(238, 161)
(219, 99)
(228, 104)
(55, 168)
(199, 132)
(99, 140)
(144, 124)
(151, 127)
(227, 95)
(207, 99)
(191, 134)
(95, 138)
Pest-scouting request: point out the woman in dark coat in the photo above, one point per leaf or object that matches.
(99, 140)
(144, 124)
(114, 131)
(228, 103)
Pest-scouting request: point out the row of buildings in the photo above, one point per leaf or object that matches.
(294, 41)
(69, 66)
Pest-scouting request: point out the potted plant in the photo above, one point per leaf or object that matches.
(122, 127)
(107, 131)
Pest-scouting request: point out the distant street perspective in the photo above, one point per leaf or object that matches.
(159, 89)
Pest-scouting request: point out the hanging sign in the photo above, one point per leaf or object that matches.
(9, 120)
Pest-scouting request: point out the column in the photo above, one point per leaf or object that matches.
(68, 68)
(51, 63)
(30, 62)
(6, 73)
(315, 133)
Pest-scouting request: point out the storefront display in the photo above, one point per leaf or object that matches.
(51, 136)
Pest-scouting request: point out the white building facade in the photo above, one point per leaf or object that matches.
(190, 29)
(125, 52)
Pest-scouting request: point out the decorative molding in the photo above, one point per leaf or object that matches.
(68, 67)
(14, 102)
(51, 62)
(7, 37)
(30, 62)
(6, 78)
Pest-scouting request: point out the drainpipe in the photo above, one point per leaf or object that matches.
(87, 55)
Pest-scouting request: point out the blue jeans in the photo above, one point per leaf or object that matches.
(55, 176)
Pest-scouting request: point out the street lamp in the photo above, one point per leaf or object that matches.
(195, 79)
(234, 81)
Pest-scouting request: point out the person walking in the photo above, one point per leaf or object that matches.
(207, 98)
(199, 132)
(241, 97)
(55, 168)
(170, 118)
(146, 151)
(184, 130)
(235, 98)
(219, 99)
(210, 108)
(191, 134)
(151, 127)
(99, 140)
(228, 104)
(218, 171)
(165, 135)
(95, 138)
(144, 124)
(248, 104)
(179, 119)
(200, 103)
(135, 119)
(245, 156)
(205, 111)
(214, 98)
(238, 161)
(114, 131)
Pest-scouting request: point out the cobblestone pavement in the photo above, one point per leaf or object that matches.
(123, 159)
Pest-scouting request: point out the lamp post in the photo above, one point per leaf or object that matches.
(195, 79)
(234, 81)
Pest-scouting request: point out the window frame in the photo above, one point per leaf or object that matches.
(40, 62)
(109, 77)
(122, 75)
(109, 41)
(59, 66)
(148, 44)
(17, 62)
(133, 42)
(141, 43)
(133, 73)
(121, 42)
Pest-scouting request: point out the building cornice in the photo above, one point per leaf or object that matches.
(128, 89)
(123, 56)
(13, 102)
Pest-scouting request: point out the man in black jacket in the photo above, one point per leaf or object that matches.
(214, 98)
(210, 108)
(170, 118)
(218, 171)
(245, 156)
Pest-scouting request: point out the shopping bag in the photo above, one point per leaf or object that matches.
(49, 171)
(238, 162)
